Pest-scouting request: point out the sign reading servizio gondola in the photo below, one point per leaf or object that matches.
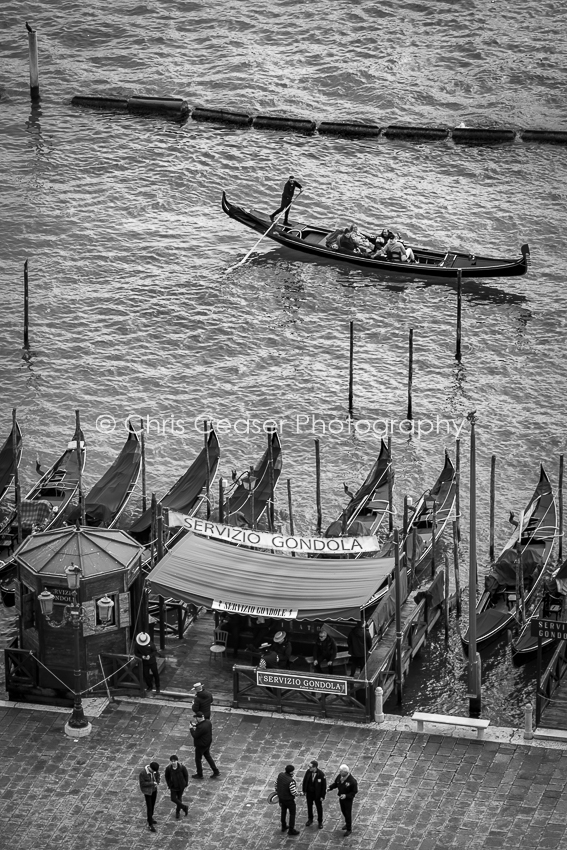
(254, 610)
(546, 629)
(281, 542)
(301, 682)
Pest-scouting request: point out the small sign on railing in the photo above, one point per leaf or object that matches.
(301, 682)
(549, 629)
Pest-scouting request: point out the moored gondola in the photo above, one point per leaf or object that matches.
(550, 607)
(7, 469)
(312, 240)
(514, 580)
(252, 491)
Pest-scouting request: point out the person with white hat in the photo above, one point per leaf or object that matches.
(145, 649)
(203, 701)
(282, 647)
(268, 657)
(347, 788)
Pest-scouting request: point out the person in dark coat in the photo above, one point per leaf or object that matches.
(177, 780)
(286, 789)
(287, 197)
(347, 788)
(324, 652)
(269, 658)
(201, 731)
(358, 645)
(203, 701)
(282, 648)
(145, 649)
(315, 788)
(149, 781)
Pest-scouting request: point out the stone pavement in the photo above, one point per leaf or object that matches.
(418, 791)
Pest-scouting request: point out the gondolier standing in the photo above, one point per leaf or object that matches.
(287, 197)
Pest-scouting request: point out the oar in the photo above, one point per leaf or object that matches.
(273, 224)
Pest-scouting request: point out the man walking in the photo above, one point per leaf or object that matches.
(202, 733)
(287, 197)
(286, 789)
(203, 701)
(347, 788)
(149, 781)
(315, 788)
(177, 780)
(146, 650)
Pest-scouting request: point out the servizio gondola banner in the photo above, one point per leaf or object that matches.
(281, 542)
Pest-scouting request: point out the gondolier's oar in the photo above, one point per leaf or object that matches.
(273, 224)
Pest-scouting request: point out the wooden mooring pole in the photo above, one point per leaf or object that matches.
(410, 376)
(208, 470)
(26, 307)
(492, 506)
(290, 507)
(318, 486)
(271, 511)
(351, 372)
(399, 634)
(221, 500)
(153, 528)
(34, 64)
(79, 444)
(446, 600)
(458, 487)
(560, 507)
(456, 568)
(17, 493)
(143, 449)
(474, 669)
(390, 490)
(459, 313)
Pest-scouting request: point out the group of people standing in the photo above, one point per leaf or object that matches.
(314, 788)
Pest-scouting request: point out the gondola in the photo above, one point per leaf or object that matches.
(368, 507)
(188, 492)
(309, 239)
(252, 491)
(107, 499)
(496, 608)
(7, 459)
(46, 503)
(550, 607)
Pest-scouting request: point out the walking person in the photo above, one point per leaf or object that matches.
(315, 788)
(286, 789)
(177, 780)
(287, 197)
(202, 733)
(146, 650)
(203, 701)
(149, 781)
(347, 788)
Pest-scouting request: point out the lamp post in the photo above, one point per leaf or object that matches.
(77, 725)
(249, 482)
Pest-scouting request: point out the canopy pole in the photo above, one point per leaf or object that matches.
(318, 486)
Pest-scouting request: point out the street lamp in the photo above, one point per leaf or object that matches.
(249, 482)
(77, 725)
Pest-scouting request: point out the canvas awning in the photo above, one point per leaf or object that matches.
(205, 572)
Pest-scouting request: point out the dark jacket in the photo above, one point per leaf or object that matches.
(325, 650)
(269, 660)
(177, 778)
(283, 651)
(203, 702)
(358, 641)
(315, 784)
(149, 781)
(202, 734)
(286, 787)
(289, 189)
(347, 786)
(146, 653)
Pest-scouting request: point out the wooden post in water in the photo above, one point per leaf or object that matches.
(520, 602)
(413, 556)
(459, 313)
(492, 505)
(410, 375)
(351, 372)
(458, 487)
(82, 520)
(143, 448)
(433, 538)
(252, 483)
(159, 531)
(26, 307)
(390, 491)
(221, 500)
(153, 527)
(399, 635)
(34, 64)
(456, 567)
(474, 671)
(271, 512)
(208, 470)
(560, 508)
(446, 594)
(290, 508)
(17, 494)
(405, 525)
(318, 486)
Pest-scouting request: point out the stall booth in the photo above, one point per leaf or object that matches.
(297, 595)
(106, 597)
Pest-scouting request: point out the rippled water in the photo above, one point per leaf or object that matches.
(133, 310)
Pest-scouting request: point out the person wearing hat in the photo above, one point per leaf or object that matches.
(203, 701)
(315, 788)
(149, 781)
(286, 789)
(177, 780)
(145, 649)
(201, 730)
(282, 648)
(268, 657)
(287, 197)
(347, 789)
(324, 652)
